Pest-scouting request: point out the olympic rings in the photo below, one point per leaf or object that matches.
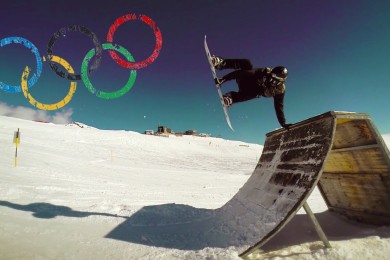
(26, 43)
(57, 105)
(61, 33)
(157, 48)
(102, 94)
(85, 72)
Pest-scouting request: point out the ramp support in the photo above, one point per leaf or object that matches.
(316, 225)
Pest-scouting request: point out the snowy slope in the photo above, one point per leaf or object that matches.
(74, 186)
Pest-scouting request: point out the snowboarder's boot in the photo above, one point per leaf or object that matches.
(228, 101)
(219, 81)
(218, 62)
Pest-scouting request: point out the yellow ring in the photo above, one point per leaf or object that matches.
(57, 105)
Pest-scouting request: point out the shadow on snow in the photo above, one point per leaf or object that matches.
(47, 210)
(188, 228)
(184, 227)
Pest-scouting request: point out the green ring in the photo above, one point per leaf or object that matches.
(102, 94)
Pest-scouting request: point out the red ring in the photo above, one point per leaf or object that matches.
(157, 48)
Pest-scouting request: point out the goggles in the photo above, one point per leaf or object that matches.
(275, 80)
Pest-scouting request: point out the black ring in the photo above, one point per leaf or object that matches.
(61, 33)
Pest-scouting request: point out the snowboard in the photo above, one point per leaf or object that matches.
(225, 109)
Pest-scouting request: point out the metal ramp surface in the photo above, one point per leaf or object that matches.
(288, 170)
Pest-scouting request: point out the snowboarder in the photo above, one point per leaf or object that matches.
(253, 83)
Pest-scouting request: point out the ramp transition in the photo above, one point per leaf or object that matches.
(341, 152)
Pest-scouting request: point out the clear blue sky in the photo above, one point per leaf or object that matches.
(337, 54)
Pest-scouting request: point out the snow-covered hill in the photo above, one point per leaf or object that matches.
(73, 186)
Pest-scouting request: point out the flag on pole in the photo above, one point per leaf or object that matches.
(16, 142)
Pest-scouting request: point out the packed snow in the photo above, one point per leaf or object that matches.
(77, 192)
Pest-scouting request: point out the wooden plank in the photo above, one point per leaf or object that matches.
(365, 217)
(360, 161)
(351, 133)
(359, 192)
(355, 148)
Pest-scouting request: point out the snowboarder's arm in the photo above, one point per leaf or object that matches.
(279, 108)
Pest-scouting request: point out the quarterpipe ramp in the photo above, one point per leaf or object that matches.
(291, 165)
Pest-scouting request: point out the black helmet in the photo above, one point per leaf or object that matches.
(278, 75)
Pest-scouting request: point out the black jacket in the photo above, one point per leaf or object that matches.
(254, 83)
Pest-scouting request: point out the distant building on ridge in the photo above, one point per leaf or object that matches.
(164, 130)
(191, 132)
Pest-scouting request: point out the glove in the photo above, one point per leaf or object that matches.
(286, 126)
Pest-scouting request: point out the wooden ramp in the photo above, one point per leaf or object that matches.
(341, 152)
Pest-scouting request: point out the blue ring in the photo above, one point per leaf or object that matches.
(26, 43)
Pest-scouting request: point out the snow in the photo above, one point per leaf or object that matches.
(84, 193)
